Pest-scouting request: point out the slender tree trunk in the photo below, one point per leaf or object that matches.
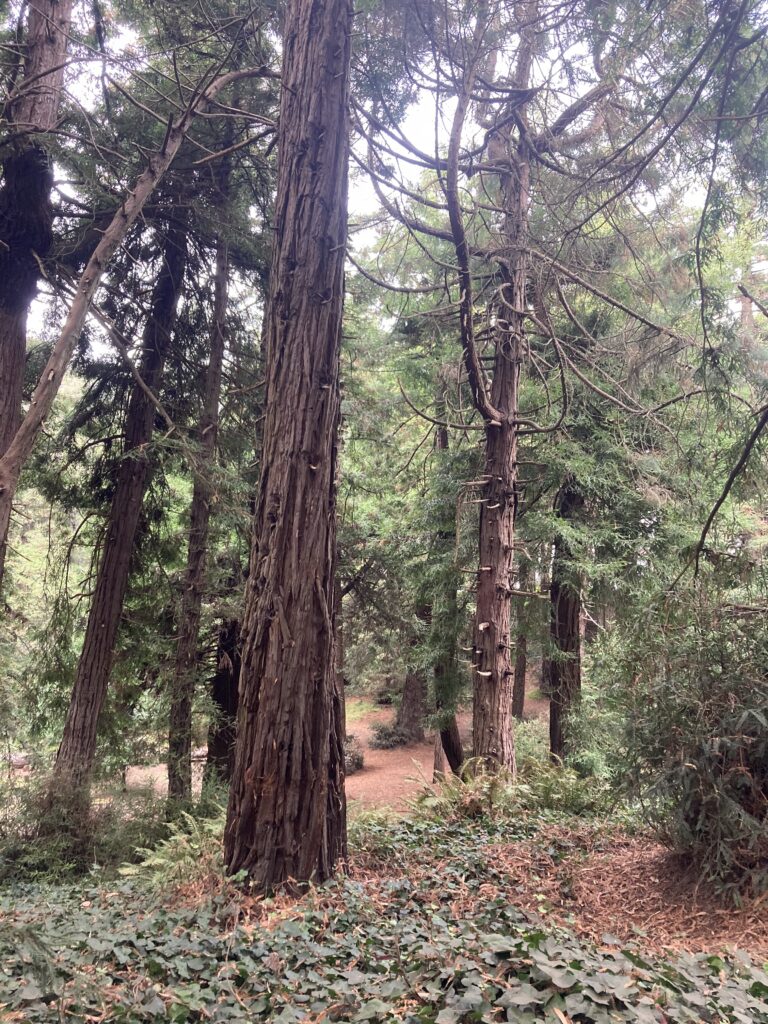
(493, 731)
(565, 630)
(26, 214)
(286, 817)
(180, 724)
(521, 648)
(74, 759)
(521, 668)
(222, 730)
(444, 617)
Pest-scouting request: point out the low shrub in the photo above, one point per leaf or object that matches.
(354, 759)
(387, 736)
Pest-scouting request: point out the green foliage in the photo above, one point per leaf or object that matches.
(191, 853)
(480, 792)
(388, 735)
(354, 758)
(691, 689)
(46, 839)
(388, 949)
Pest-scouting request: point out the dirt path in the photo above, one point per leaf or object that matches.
(389, 778)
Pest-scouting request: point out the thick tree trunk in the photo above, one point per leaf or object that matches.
(221, 732)
(413, 707)
(185, 671)
(287, 817)
(74, 759)
(26, 214)
(565, 631)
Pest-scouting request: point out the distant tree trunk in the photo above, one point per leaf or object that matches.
(185, 670)
(74, 759)
(287, 816)
(521, 648)
(221, 732)
(413, 706)
(338, 640)
(521, 668)
(444, 618)
(26, 213)
(565, 629)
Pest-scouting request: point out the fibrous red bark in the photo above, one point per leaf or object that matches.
(286, 815)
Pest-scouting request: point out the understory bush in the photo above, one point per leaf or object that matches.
(354, 759)
(692, 688)
(66, 837)
(480, 792)
(387, 736)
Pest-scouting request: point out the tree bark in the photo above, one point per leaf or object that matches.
(74, 760)
(26, 214)
(185, 670)
(565, 630)
(287, 818)
(413, 705)
(521, 668)
(222, 730)
(521, 647)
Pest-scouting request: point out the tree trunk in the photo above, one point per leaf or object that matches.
(287, 817)
(521, 647)
(74, 759)
(413, 705)
(448, 746)
(445, 626)
(493, 732)
(26, 214)
(565, 630)
(18, 451)
(185, 671)
(521, 668)
(221, 732)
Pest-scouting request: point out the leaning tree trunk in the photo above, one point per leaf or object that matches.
(26, 214)
(183, 686)
(565, 630)
(221, 732)
(287, 818)
(74, 759)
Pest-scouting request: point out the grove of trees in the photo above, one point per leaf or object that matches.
(403, 348)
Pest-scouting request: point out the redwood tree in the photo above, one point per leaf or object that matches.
(74, 759)
(286, 818)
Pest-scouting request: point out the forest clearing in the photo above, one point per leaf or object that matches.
(384, 511)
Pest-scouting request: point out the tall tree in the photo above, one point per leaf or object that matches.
(74, 759)
(180, 725)
(26, 214)
(286, 818)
